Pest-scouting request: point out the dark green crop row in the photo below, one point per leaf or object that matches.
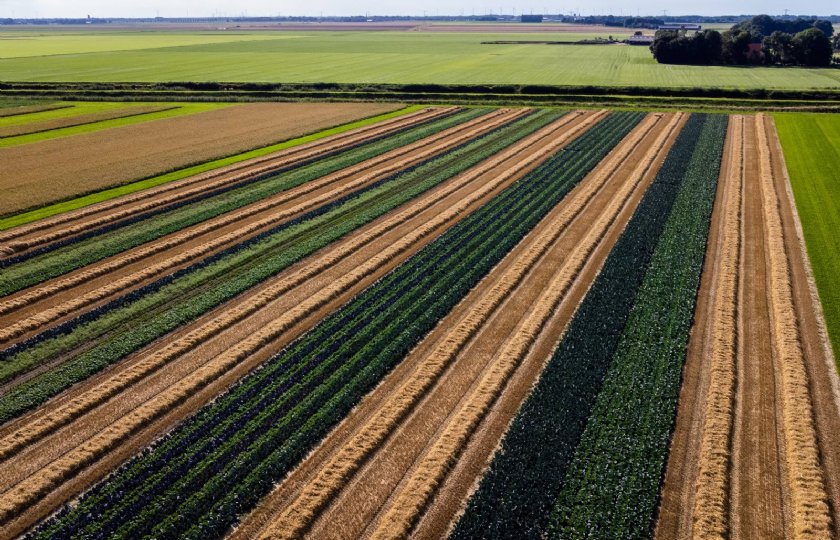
(612, 487)
(516, 496)
(122, 236)
(217, 465)
(129, 323)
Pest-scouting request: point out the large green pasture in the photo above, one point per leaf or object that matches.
(359, 57)
(811, 144)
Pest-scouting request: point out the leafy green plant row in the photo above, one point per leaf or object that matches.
(516, 495)
(135, 320)
(612, 486)
(113, 239)
(230, 453)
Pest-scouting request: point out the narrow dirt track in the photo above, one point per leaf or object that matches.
(67, 224)
(763, 410)
(35, 309)
(44, 464)
(457, 355)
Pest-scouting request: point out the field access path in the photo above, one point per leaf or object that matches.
(58, 450)
(37, 308)
(406, 457)
(756, 451)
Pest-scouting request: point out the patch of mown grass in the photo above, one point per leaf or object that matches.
(810, 144)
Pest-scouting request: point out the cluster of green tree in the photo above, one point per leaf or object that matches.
(622, 22)
(760, 40)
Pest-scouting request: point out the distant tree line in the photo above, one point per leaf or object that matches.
(620, 22)
(760, 40)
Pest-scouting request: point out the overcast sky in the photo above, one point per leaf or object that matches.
(181, 8)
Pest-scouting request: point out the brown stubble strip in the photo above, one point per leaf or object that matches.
(214, 355)
(681, 477)
(361, 498)
(42, 232)
(43, 172)
(758, 490)
(44, 305)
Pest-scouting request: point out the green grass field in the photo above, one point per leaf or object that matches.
(810, 143)
(360, 57)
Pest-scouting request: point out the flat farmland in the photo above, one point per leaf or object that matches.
(463, 322)
(51, 170)
(435, 55)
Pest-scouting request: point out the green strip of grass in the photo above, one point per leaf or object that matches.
(175, 109)
(810, 146)
(99, 196)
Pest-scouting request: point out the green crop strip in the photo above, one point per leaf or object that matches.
(612, 487)
(99, 196)
(812, 153)
(79, 254)
(516, 495)
(232, 451)
(141, 321)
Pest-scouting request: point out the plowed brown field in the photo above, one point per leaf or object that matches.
(755, 452)
(47, 171)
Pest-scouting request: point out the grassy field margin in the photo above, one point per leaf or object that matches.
(99, 196)
(810, 146)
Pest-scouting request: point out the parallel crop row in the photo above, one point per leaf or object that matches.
(229, 455)
(612, 486)
(128, 323)
(516, 496)
(80, 251)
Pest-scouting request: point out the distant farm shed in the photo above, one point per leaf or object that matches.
(681, 26)
(640, 39)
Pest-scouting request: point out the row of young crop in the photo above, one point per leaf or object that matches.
(229, 455)
(76, 252)
(542, 463)
(612, 485)
(128, 323)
